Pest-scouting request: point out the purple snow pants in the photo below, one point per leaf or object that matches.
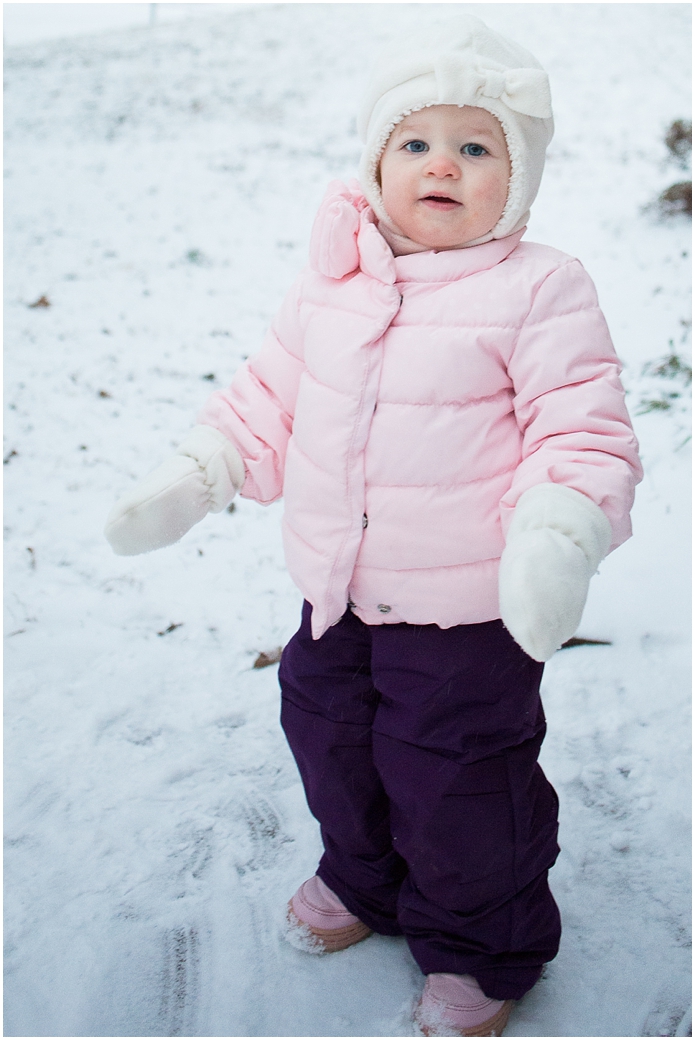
(418, 749)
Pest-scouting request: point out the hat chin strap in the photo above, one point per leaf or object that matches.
(401, 245)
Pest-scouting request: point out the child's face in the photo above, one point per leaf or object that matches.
(444, 175)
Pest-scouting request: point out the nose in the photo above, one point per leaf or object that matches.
(441, 165)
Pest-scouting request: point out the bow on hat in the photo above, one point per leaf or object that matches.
(461, 80)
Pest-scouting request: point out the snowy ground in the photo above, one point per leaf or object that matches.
(26, 23)
(159, 192)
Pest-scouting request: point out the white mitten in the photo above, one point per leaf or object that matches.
(203, 476)
(555, 542)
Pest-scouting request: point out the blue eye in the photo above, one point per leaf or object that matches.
(476, 150)
(416, 147)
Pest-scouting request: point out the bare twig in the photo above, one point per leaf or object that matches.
(578, 641)
(171, 628)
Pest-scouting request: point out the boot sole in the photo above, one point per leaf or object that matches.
(493, 1026)
(331, 940)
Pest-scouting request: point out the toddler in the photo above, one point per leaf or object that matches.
(439, 403)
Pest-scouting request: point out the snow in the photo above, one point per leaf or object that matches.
(159, 191)
(29, 22)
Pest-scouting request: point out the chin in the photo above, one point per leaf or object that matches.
(443, 238)
(448, 243)
(462, 239)
(434, 239)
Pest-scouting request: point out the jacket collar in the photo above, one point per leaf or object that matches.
(447, 265)
(345, 238)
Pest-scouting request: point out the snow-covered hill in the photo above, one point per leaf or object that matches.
(159, 192)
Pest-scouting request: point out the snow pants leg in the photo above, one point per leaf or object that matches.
(418, 750)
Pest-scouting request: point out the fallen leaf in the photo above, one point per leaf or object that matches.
(11, 455)
(104, 393)
(42, 301)
(267, 658)
(677, 199)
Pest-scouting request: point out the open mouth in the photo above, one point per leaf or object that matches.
(439, 201)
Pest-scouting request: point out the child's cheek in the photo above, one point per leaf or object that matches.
(490, 194)
(396, 188)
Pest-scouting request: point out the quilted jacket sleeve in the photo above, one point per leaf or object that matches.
(570, 403)
(256, 411)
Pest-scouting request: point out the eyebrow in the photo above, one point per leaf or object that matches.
(421, 128)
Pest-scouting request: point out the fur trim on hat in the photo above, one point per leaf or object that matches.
(462, 63)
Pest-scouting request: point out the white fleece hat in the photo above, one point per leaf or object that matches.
(462, 62)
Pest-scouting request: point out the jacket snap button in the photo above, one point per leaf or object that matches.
(384, 608)
(365, 521)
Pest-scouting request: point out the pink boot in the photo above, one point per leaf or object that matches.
(318, 921)
(455, 1005)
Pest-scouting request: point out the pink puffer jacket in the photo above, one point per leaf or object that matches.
(402, 405)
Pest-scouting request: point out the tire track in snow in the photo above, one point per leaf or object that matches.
(670, 1014)
(260, 887)
(181, 956)
(180, 982)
